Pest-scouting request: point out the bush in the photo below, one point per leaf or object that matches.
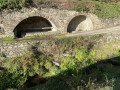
(68, 63)
(29, 64)
(82, 58)
(21, 68)
(11, 4)
(11, 80)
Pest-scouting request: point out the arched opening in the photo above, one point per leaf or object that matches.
(80, 23)
(33, 26)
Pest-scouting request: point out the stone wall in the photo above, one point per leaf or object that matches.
(59, 19)
(15, 49)
(110, 22)
(2, 29)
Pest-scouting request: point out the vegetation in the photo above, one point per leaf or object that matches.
(20, 69)
(90, 68)
(102, 8)
(12, 3)
(18, 4)
(107, 11)
(86, 67)
(86, 70)
(7, 38)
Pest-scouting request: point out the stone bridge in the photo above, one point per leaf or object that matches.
(28, 22)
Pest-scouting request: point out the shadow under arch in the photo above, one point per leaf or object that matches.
(33, 25)
(80, 23)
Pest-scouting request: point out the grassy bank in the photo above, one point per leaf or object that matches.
(90, 68)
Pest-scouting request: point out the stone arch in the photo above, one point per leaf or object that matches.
(33, 25)
(79, 23)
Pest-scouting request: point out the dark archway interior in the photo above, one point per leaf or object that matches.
(75, 22)
(32, 25)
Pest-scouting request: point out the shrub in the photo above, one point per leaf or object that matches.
(10, 80)
(82, 58)
(11, 4)
(21, 68)
(29, 64)
(68, 63)
(85, 56)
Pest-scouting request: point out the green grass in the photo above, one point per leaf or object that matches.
(29, 37)
(9, 41)
(7, 38)
(107, 10)
(101, 8)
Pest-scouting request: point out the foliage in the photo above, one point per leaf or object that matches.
(11, 80)
(12, 3)
(82, 58)
(53, 70)
(82, 8)
(78, 71)
(116, 52)
(68, 63)
(20, 68)
(66, 44)
(18, 4)
(29, 64)
(84, 73)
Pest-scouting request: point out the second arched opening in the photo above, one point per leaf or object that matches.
(80, 23)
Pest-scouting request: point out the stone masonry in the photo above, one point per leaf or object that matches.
(61, 20)
(15, 49)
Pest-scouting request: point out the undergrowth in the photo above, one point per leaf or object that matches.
(19, 69)
(87, 69)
